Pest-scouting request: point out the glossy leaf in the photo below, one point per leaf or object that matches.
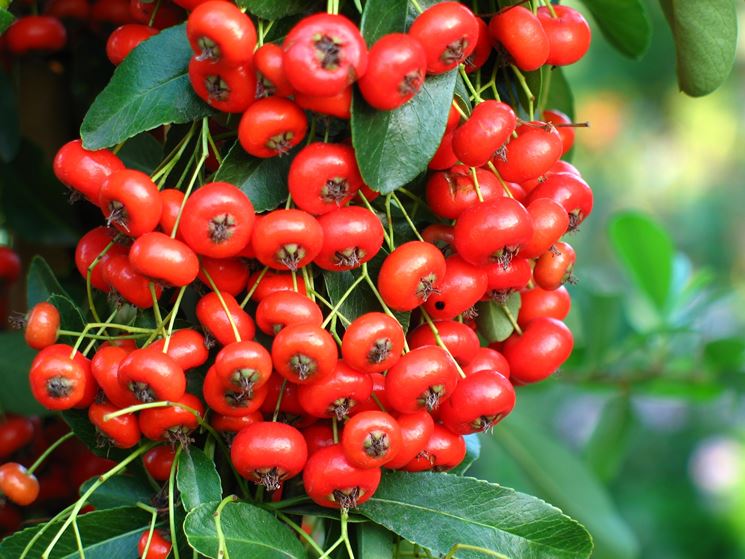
(624, 23)
(106, 534)
(143, 153)
(559, 94)
(438, 511)
(393, 147)
(10, 134)
(705, 36)
(646, 251)
(249, 532)
(16, 394)
(119, 491)
(41, 282)
(374, 542)
(494, 324)
(272, 9)
(557, 475)
(606, 449)
(264, 181)
(197, 479)
(150, 88)
(70, 316)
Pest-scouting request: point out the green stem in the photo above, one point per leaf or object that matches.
(300, 532)
(379, 297)
(345, 532)
(223, 304)
(476, 184)
(174, 312)
(222, 547)
(151, 529)
(195, 174)
(171, 505)
(526, 89)
(341, 300)
(416, 5)
(474, 94)
(508, 313)
(89, 275)
(335, 429)
(438, 340)
(366, 202)
(92, 489)
(251, 291)
(279, 400)
(506, 189)
(156, 307)
(52, 447)
(406, 215)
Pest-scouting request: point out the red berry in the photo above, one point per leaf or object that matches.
(448, 31)
(332, 482)
(220, 32)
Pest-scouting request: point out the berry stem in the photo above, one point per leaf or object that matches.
(378, 402)
(171, 506)
(493, 169)
(416, 5)
(476, 185)
(339, 315)
(92, 489)
(156, 308)
(388, 238)
(405, 214)
(379, 297)
(154, 14)
(251, 291)
(526, 89)
(151, 529)
(222, 547)
(307, 280)
(195, 174)
(88, 275)
(279, 400)
(460, 110)
(173, 314)
(172, 158)
(52, 447)
(474, 93)
(224, 305)
(465, 547)
(78, 540)
(550, 7)
(438, 340)
(345, 532)
(44, 528)
(508, 313)
(300, 532)
(343, 298)
(335, 429)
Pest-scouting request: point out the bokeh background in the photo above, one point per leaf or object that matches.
(641, 436)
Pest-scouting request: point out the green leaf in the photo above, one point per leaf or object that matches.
(197, 479)
(6, 18)
(726, 354)
(272, 9)
(647, 253)
(557, 475)
(473, 451)
(16, 394)
(439, 511)
(143, 153)
(119, 491)
(249, 532)
(705, 35)
(41, 282)
(10, 133)
(264, 181)
(86, 432)
(560, 95)
(624, 23)
(393, 147)
(494, 324)
(111, 533)
(461, 91)
(70, 316)
(374, 542)
(150, 88)
(606, 449)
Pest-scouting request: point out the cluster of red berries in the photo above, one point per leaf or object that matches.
(292, 405)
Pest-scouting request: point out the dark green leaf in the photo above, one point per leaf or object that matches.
(381, 17)
(249, 532)
(197, 479)
(150, 88)
(624, 23)
(273, 9)
(111, 533)
(439, 511)
(647, 253)
(602, 319)
(34, 202)
(143, 153)
(119, 491)
(473, 451)
(494, 323)
(312, 509)
(705, 36)
(10, 134)
(264, 181)
(86, 432)
(41, 282)
(393, 147)
(6, 18)
(558, 476)
(374, 542)
(70, 316)
(606, 449)
(559, 93)
(16, 394)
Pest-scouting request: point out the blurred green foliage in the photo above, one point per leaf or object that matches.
(639, 436)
